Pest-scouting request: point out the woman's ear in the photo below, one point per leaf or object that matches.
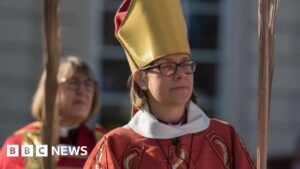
(141, 79)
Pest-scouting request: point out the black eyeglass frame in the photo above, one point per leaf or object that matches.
(93, 83)
(158, 66)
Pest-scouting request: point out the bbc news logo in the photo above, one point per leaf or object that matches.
(43, 150)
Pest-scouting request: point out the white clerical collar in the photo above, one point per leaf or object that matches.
(64, 130)
(146, 125)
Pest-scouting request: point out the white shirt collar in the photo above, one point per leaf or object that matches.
(146, 125)
(64, 130)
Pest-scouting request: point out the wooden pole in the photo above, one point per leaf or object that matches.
(266, 18)
(51, 63)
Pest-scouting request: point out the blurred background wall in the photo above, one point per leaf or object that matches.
(223, 37)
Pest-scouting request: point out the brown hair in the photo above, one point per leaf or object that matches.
(67, 65)
(138, 96)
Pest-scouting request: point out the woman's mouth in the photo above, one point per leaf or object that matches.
(179, 88)
(79, 102)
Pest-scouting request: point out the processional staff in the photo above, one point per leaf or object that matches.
(51, 31)
(266, 21)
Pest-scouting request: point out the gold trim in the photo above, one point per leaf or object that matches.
(225, 152)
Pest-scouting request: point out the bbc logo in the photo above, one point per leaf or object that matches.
(42, 150)
(27, 150)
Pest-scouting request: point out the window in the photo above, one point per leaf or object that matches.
(203, 31)
(114, 75)
(108, 33)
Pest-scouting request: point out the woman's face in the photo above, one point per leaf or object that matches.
(75, 97)
(173, 89)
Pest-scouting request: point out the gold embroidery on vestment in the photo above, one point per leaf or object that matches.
(225, 152)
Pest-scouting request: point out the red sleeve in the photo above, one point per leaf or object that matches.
(102, 157)
(12, 162)
(241, 156)
(228, 146)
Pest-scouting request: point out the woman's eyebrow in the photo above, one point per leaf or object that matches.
(185, 58)
(162, 60)
(165, 59)
(169, 59)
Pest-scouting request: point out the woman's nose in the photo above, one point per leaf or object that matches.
(179, 73)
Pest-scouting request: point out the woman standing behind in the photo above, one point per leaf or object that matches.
(77, 99)
(167, 129)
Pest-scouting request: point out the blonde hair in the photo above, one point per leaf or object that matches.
(67, 65)
(138, 96)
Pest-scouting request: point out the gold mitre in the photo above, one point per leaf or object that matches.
(151, 29)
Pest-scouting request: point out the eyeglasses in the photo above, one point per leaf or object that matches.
(170, 68)
(76, 84)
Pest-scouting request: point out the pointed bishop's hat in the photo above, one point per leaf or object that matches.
(151, 29)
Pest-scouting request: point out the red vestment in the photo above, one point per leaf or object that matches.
(217, 147)
(30, 134)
